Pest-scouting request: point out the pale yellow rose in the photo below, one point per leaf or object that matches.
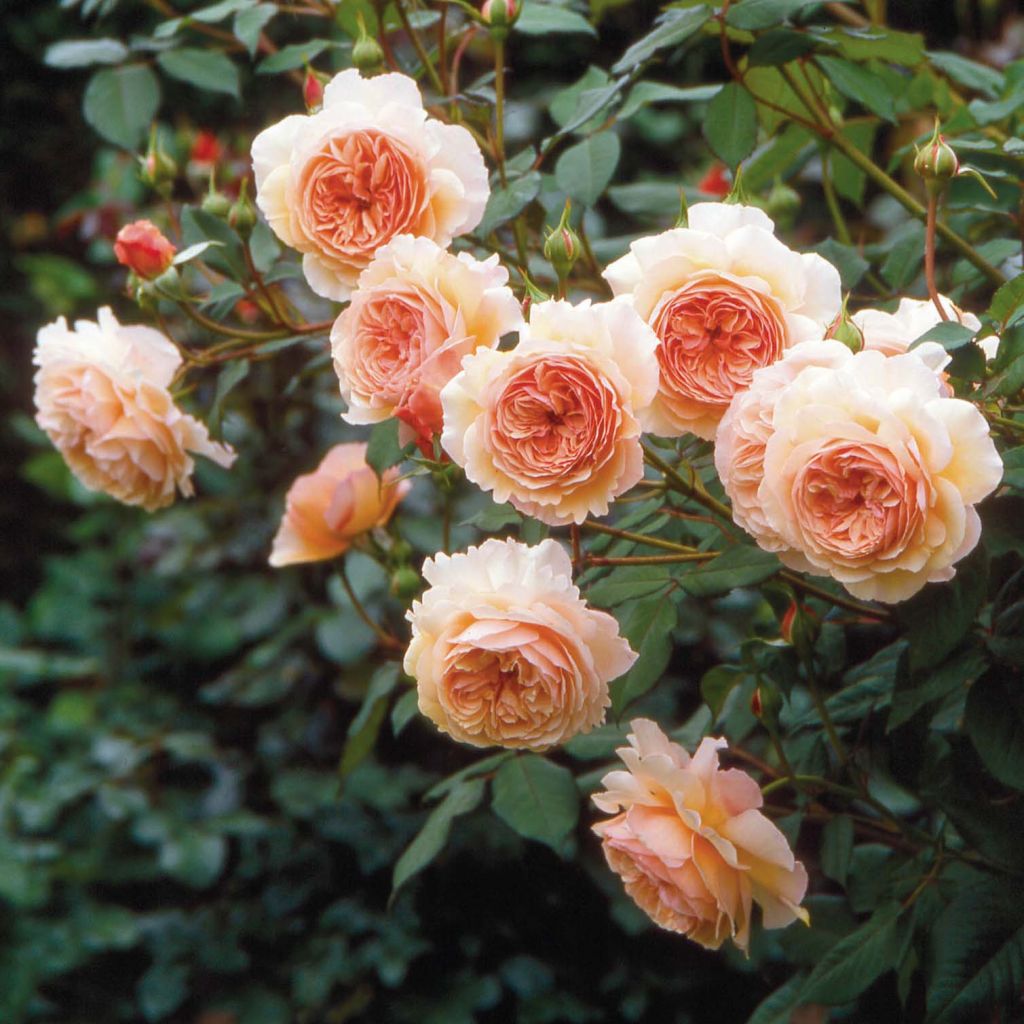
(327, 509)
(871, 475)
(417, 311)
(504, 650)
(101, 395)
(690, 843)
(894, 333)
(368, 166)
(725, 297)
(554, 425)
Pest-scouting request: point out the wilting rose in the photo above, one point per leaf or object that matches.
(417, 311)
(102, 397)
(370, 165)
(746, 426)
(690, 843)
(725, 298)
(142, 248)
(327, 509)
(894, 333)
(554, 424)
(505, 651)
(871, 474)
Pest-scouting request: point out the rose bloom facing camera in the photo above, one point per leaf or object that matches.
(101, 394)
(327, 509)
(417, 311)
(554, 424)
(725, 297)
(871, 475)
(505, 651)
(370, 165)
(690, 843)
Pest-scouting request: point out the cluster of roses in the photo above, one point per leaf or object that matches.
(859, 466)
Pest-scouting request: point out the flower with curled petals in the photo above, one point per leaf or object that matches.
(367, 167)
(690, 843)
(894, 333)
(725, 297)
(504, 650)
(554, 424)
(872, 472)
(417, 312)
(103, 397)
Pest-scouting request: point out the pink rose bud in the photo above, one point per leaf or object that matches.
(143, 249)
(937, 163)
(715, 182)
(499, 15)
(312, 91)
(205, 150)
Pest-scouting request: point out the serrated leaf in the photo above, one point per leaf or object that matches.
(958, 672)
(739, 566)
(507, 203)
(648, 627)
(364, 728)
(780, 46)
(431, 839)
(541, 19)
(384, 449)
(730, 124)
(290, 57)
(949, 334)
(231, 375)
(968, 72)
(249, 23)
(837, 848)
(994, 720)
(628, 583)
(716, 685)
(205, 69)
(81, 53)
(860, 85)
(1007, 300)
(404, 711)
(536, 798)
(673, 29)
(779, 1006)
(584, 171)
(121, 102)
(756, 14)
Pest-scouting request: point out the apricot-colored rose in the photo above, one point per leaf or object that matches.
(370, 165)
(725, 297)
(327, 509)
(871, 474)
(102, 397)
(417, 311)
(894, 333)
(690, 843)
(505, 651)
(143, 248)
(554, 424)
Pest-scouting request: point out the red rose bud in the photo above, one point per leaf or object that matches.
(143, 249)
(788, 620)
(206, 150)
(312, 90)
(247, 310)
(756, 706)
(499, 16)
(714, 183)
(799, 627)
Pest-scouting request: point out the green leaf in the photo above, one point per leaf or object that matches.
(673, 29)
(191, 252)
(431, 839)
(716, 685)
(780, 46)
(290, 57)
(542, 19)
(739, 566)
(219, 11)
(949, 334)
(968, 72)
(471, 771)
(506, 203)
(856, 961)
(80, 53)
(194, 857)
(846, 259)
(779, 1006)
(628, 583)
(248, 25)
(364, 728)
(231, 375)
(994, 720)
(755, 14)
(860, 85)
(405, 709)
(644, 93)
(1007, 300)
(121, 102)
(199, 226)
(730, 124)
(849, 179)
(648, 627)
(536, 798)
(875, 43)
(384, 449)
(162, 989)
(978, 946)
(205, 69)
(584, 171)
(958, 672)
(837, 848)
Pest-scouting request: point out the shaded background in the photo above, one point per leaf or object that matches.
(174, 844)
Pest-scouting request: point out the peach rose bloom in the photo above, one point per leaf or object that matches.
(504, 650)
(327, 509)
(370, 165)
(417, 311)
(102, 396)
(871, 475)
(554, 425)
(690, 843)
(894, 333)
(746, 426)
(143, 248)
(725, 298)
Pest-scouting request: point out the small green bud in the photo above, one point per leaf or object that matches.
(401, 550)
(783, 204)
(216, 204)
(562, 246)
(406, 582)
(367, 54)
(242, 215)
(844, 330)
(765, 705)
(937, 163)
(159, 170)
(499, 16)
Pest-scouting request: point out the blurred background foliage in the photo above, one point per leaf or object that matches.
(176, 840)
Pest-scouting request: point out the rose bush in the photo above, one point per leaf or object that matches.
(743, 473)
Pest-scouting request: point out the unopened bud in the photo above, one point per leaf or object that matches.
(765, 705)
(562, 246)
(844, 330)
(367, 54)
(937, 163)
(800, 627)
(783, 204)
(405, 582)
(158, 168)
(144, 249)
(205, 151)
(216, 204)
(312, 90)
(499, 16)
(715, 182)
(401, 550)
(242, 215)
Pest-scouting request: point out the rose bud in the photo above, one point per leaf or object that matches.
(562, 247)
(312, 90)
(715, 182)
(367, 54)
(242, 215)
(206, 150)
(844, 328)
(143, 249)
(937, 163)
(499, 16)
(158, 169)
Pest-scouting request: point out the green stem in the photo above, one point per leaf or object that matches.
(799, 583)
(382, 635)
(417, 43)
(929, 256)
(499, 108)
(638, 538)
(695, 556)
(692, 489)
